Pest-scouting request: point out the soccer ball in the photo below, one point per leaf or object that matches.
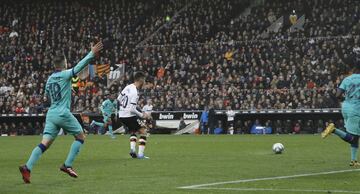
(278, 148)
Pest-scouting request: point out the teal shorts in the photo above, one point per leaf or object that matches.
(66, 121)
(351, 119)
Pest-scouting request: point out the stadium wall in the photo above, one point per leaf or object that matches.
(168, 121)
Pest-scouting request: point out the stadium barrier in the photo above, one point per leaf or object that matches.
(33, 118)
(168, 121)
(171, 119)
(294, 114)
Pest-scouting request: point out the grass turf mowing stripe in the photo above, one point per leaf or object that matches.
(268, 178)
(277, 190)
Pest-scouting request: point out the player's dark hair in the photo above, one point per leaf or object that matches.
(59, 60)
(139, 75)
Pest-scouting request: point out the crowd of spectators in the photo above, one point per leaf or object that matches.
(21, 128)
(325, 19)
(207, 54)
(31, 33)
(199, 22)
(249, 76)
(235, 68)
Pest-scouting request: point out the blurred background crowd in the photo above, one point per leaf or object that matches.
(195, 53)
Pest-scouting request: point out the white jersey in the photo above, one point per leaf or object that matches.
(230, 115)
(128, 99)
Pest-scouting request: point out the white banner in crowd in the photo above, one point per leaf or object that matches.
(115, 74)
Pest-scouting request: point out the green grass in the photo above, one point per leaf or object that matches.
(104, 165)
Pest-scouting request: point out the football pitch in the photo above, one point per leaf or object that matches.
(185, 164)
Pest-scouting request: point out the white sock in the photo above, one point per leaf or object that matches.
(133, 140)
(142, 143)
(133, 146)
(141, 150)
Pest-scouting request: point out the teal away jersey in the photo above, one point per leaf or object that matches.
(351, 87)
(108, 107)
(58, 86)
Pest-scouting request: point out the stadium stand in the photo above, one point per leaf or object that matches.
(210, 53)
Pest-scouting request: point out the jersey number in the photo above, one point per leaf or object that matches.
(54, 90)
(124, 101)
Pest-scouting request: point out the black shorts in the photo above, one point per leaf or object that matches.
(131, 123)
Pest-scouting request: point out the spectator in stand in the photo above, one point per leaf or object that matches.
(278, 127)
(31, 109)
(297, 127)
(247, 126)
(287, 126)
(19, 108)
(320, 126)
(6, 129)
(256, 128)
(29, 130)
(38, 128)
(268, 127)
(309, 127)
(13, 129)
(340, 124)
(239, 127)
(21, 130)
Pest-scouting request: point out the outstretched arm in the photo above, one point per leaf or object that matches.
(85, 61)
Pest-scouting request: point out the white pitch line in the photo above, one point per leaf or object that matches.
(275, 190)
(268, 178)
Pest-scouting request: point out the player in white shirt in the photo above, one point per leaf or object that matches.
(129, 114)
(230, 119)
